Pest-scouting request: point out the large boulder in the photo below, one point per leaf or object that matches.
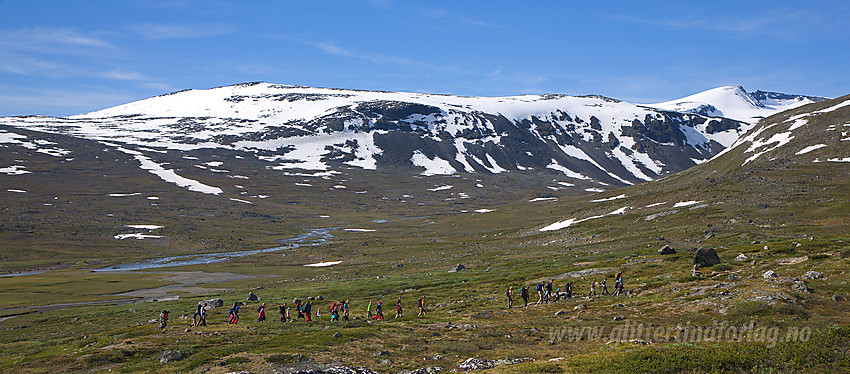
(667, 250)
(705, 257)
(253, 297)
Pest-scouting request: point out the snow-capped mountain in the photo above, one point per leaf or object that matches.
(736, 103)
(591, 139)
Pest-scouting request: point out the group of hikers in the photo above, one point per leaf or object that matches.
(338, 311)
(545, 294)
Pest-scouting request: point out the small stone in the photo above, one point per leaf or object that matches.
(619, 318)
(560, 313)
(320, 297)
(741, 257)
(837, 298)
(580, 307)
(381, 353)
(337, 334)
(188, 330)
(769, 274)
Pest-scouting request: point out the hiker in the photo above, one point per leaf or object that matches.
(334, 313)
(568, 290)
(307, 307)
(510, 295)
(196, 317)
(557, 294)
(523, 292)
(287, 317)
(203, 317)
(299, 308)
(539, 290)
(369, 310)
(163, 319)
(421, 303)
(261, 313)
(234, 313)
(618, 286)
(333, 306)
(604, 286)
(398, 308)
(548, 293)
(345, 311)
(379, 311)
(592, 288)
(282, 310)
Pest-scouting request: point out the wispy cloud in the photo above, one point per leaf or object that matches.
(776, 23)
(181, 31)
(456, 18)
(50, 40)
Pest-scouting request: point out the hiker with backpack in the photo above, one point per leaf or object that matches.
(539, 289)
(509, 294)
(548, 293)
(196, 317)
(282, 310)
(261, 313)
(163, 319)
(398, 309)
(234, 313)
(307, 308)
(523, 292)
(592, 288)
(202, 320)
(369, 310)
(421, 305)
(568, 290)
(345, 310)
(604, 286)
(379, 311)
(299, 308)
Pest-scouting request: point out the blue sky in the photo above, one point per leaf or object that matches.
(68, 57)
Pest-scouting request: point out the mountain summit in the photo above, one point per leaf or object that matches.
(736, 103)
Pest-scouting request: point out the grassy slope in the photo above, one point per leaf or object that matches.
(769, 210)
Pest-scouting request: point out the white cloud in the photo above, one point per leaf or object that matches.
(181, 31)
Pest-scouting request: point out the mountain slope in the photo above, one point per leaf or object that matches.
(587, 139)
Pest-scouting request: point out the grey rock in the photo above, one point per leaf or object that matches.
(580, 307)
(320, 297)
(741, 257)
(457, 268)
(428, 370)
(212, 303)
(380, 353)
(171, 356)
(619, 318)
(811, 274)
(253, 297)
(769, 274)
(705, 257)
(731, 278)
(311, 298)
(560, 313)
(667, 250)
(337, 334)
(800, 286)
(837, 298)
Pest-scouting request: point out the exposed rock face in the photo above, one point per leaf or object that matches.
(706, 257)
(471, 364)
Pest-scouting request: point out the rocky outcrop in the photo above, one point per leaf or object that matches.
(706, 257)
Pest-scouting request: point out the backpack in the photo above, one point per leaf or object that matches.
(539, 287)
(508, 293)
